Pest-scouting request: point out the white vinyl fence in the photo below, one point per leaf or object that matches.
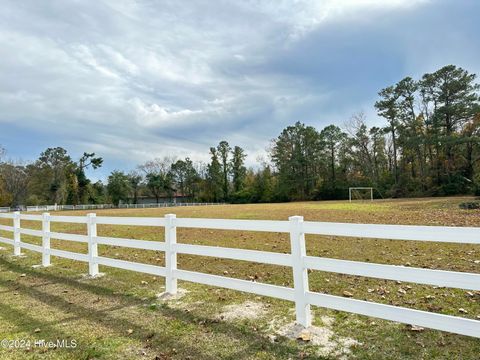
(68, 207)
(37, 208)
(298, 260)
(164, 204)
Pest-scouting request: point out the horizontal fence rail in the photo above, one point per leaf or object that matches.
(298, 260)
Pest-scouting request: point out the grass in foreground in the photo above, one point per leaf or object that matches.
(119, 315)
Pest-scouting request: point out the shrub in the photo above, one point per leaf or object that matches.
(470, 205)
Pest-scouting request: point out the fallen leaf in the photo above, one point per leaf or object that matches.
(463, 311)
(347, 294)
(382, 291)
(37, 330)
(129, 331)
(304, 336)
(415, 328)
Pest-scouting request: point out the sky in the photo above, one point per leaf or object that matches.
(132, 80)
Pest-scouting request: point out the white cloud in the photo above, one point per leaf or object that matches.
(303, 16)
(156, 115)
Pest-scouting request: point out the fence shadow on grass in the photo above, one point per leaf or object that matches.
(158, 340)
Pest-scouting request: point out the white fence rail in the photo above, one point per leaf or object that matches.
(298, 260)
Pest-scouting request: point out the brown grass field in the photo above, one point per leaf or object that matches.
(118, 316)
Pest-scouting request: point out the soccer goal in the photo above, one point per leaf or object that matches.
(360, 193)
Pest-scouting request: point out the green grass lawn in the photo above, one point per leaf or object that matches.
(119, 315)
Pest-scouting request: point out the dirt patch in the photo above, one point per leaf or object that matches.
(246, 310)
(90, 277)
(328, 343)
(167, 296)
(327, 320)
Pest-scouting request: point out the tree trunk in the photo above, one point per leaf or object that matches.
(333, 166)
(395, 166)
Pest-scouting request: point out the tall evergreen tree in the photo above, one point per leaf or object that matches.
(118, 187)
(238, 168)
(455, 99)
(331, 137)
(387, 107)
(296, 154)
(223, 150)
(214, 176)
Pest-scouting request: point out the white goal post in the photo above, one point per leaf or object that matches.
(352, 189)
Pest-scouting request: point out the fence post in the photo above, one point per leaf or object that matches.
(300, 273)
(46, 239)
(92, 244)
(17, 251)
(170, 253)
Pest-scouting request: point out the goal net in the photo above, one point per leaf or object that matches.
(360, 193)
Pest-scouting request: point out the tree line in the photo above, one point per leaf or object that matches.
(428, 145)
